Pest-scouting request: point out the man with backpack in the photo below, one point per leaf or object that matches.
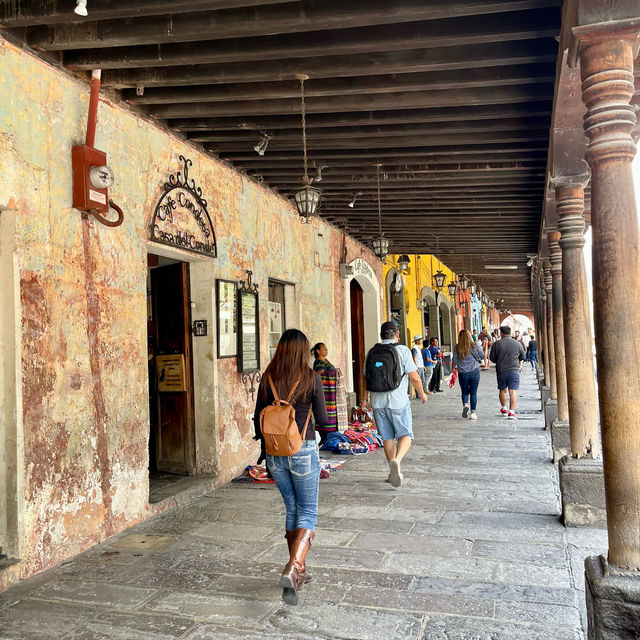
(388, 367)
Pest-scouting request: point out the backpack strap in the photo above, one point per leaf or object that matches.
(273, 389)
(306, 424)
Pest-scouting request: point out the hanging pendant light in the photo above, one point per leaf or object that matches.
(439, 279)
(307, 197)
(453, 287)
(380, 244)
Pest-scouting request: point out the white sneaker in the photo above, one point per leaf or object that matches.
(395, 477)
(473, 416)
(465, 411)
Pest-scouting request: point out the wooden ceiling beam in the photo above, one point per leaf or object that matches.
(24, 13)
(435, 80)
(244, 22)
(395, 116)
(459, 32)
(497, 54)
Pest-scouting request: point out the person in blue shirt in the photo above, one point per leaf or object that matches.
(429, 364)
(436, 355)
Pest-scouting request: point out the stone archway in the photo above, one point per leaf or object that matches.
(369, 314)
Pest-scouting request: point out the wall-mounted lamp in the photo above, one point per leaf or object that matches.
(422, 304)
(81, 8)
(464, 282)
(403, 262)
(439, 279)
(263, 143)
(453, 288)
(472, 288)
(353, 200)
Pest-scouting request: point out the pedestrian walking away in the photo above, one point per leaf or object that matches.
(508, 356)
(416, 352)
(467, 358)
(289, 379)
(389, 366)
(532, 352)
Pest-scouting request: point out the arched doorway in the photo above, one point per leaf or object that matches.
(357, 340)
(362, 312)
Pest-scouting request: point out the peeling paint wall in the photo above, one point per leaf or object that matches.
(82, 393)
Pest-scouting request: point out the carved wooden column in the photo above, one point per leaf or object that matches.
(558, 326)
(550, 334)
(544, 340)
(580, 379)
(607, 88)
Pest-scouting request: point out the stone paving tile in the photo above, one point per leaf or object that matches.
(416, 544)
(462, 568)
(449, 628)
(95, 593)
(546, 554)
(346, 622)
(36, 620)
(551, 614)
(211, 607)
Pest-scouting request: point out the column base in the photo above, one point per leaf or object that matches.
(560, 439)
(550, 412)
(613, 601)
(545, 394)
(582, 489)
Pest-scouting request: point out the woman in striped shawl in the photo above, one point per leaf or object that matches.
(328, 375)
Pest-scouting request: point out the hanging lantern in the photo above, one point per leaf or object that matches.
(464, 282)
(439, 279)
(453, 287)
(381, 247)
(307, 199)
(472, 288)
(403, 262)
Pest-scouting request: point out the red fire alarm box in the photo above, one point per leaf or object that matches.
(91, 178)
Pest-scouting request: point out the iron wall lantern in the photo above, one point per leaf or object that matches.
(403, 262)
(439, 279)
(453, 287)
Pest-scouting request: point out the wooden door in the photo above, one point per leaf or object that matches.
(173, 432)
(357, 342)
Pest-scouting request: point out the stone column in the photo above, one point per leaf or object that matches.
(551, 406)
(581, 473)
(558, 326)
(607, 88)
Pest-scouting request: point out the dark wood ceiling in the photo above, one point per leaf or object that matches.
(452, 98)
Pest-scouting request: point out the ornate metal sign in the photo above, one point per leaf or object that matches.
(181, 218)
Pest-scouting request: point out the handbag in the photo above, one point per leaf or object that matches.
(453, 378)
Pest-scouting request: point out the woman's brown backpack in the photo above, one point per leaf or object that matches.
(279, 427)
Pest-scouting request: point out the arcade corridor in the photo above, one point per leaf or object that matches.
(471, 546)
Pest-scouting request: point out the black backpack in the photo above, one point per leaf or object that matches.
(382, 369)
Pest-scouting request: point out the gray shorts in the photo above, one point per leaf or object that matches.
(394, 423)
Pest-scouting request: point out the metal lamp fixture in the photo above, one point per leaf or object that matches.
(464, 282)
(263, 143)
(81, 8)
(453, 288)
(472, 288)
(439, 279)
(353, 200)
(403, 262)
(307, 198)
(380, 244)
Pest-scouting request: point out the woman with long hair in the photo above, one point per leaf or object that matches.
(467, 356)
(296, 476)
(329, 379)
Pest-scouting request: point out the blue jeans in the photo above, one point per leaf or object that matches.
(469, 387)
(298, 478)
(533, 357)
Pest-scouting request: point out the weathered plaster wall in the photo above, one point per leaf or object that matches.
(83, 304)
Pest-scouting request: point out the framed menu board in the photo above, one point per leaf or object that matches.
(248, 332)
(227, 319)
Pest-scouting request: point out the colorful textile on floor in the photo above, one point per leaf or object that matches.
(341, 401)
(329, 379)
(254, 473)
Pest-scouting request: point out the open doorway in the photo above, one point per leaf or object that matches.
(357, 341)
(171, 398)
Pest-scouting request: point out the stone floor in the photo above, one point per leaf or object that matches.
(469, 548)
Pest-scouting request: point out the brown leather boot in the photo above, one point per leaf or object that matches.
(293, 575)
(290, 535)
